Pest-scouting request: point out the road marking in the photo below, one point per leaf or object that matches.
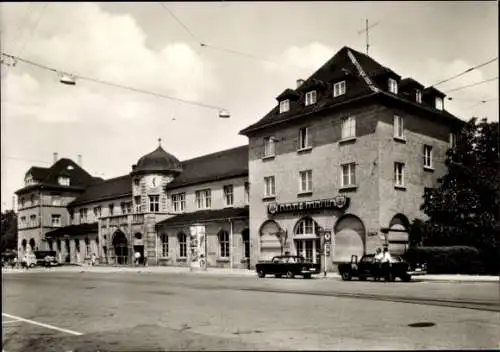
(71, 332)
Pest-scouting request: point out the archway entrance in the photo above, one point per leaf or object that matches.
(270, 243)
(120, 244)
(349, 238)
(307, 242)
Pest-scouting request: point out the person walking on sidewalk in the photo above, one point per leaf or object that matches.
(137, 258)
(93, 259)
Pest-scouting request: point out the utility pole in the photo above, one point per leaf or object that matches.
(366, 30)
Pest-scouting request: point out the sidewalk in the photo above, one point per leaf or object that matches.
(231, 272)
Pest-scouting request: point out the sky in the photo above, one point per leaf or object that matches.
(254, 51)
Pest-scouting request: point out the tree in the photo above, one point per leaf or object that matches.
(464, 209)
(8, 235)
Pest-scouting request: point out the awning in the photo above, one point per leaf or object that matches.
(204, 216)
(73, 230)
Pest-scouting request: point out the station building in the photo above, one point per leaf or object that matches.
(189, 213)
(350, 151)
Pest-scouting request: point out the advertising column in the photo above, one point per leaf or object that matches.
(198, 247)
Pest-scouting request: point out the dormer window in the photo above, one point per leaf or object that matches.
(338, 89)
(63, 180)
(28, 180)
(311, 98)
(393, 86)
(418, 96)
(284, 106)
(439, 103)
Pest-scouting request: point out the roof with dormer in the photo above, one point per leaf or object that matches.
(43, 177)
(157, 161)
(353, 67)
(207, 168)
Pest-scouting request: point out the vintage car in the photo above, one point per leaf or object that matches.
(368, 267)
(46, 258)
(287, 265)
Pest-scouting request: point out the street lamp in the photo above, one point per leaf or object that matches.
(224, 114)
(67, 79)
(321, 233)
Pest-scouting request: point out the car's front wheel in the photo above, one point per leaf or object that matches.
(346, 276)
(290, 275)
(261, 273)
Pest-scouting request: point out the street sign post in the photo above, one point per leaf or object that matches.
(326, 243)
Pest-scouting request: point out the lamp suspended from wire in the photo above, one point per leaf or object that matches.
(224, 114)
(67, 79)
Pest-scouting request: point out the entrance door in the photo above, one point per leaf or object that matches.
(309, 249)
(120, 245)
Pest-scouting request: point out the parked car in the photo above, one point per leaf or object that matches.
(368, 267)
(46, 258)
(287, 265)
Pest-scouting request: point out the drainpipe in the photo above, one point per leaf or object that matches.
(231, 244)
(156, 245)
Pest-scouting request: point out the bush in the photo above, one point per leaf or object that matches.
(447, 260)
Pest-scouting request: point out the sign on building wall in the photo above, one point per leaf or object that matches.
(339, 202)
(198, 247)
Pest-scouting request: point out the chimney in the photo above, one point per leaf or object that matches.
(80, 160)
(300, 81)
(55, 157)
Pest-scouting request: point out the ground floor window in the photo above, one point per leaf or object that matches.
(182, 238)
(164, 245)
(246, 243)
(309, 249)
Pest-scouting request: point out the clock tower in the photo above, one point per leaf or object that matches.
(150, 175)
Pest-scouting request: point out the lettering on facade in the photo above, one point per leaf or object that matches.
(339, 202)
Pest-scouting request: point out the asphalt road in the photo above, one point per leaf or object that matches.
(158, 312)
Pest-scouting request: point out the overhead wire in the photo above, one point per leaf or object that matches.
(465, 72)
(472, 84)
(111, 84)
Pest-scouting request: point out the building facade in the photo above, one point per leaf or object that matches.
(192, 213)
(350, 151)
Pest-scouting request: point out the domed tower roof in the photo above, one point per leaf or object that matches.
(158, 161)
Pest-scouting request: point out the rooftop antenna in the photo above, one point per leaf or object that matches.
(367, 27)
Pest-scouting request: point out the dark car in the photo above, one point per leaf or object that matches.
(287, 265)
(46, 258)
(368, 267)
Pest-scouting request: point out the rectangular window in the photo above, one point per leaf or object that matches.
(398, 127)
(23, 221)
(418, 96)
(154, 203)
(56, 200)
(56, 220)
(399, 174)
(228, 195)
(247, 192)
(179, 202)
(203, 199)
(269, 149)
(33, 221)
(64, 181)
(284, 106)
(348, 125)
(427, 156)
(348, 175)
(310, 98)
(182, 245)
(97, 212)
(111, 207)
(269, 190)
(303, 138)
(453, 140)
(305, 181)
(138, 205)
(224, 244)
(439, 103)
(393, 86)
(338, 89)
(164, 245)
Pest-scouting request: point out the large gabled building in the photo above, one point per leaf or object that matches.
(190, 213)
(349, 151)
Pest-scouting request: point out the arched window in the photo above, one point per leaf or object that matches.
(51, 244)
(24, 243)
(306, 226)
(245, 236)
(77, 245)
(182, 238)
(32, 244)
(58, 245)
(223, 237)
(164, 245)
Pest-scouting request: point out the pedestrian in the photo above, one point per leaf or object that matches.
(93, 259)
(137, 258)
(144, 260)
(378, 261)
(386, 263)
